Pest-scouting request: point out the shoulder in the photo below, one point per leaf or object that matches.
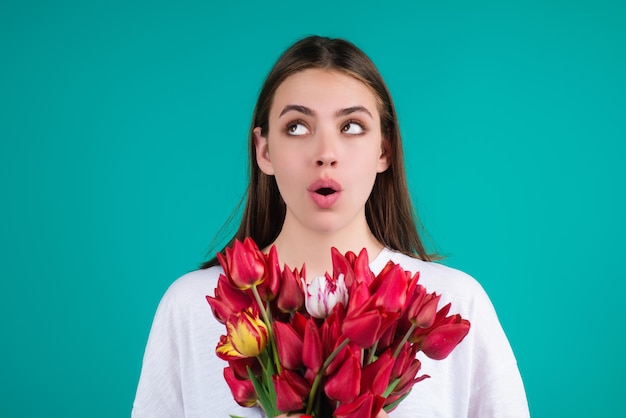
(454, 285)
(184, 311)
(189, 291)
(481, 372)
(193, 282)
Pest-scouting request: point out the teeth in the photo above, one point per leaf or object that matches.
(325, 191)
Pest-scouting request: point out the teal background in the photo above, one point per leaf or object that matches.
(122, 140)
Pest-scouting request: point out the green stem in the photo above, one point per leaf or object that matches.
(270, 330)
(259, 302)
(261, 359)
(372, 352)
(404, 340)
(320, 373)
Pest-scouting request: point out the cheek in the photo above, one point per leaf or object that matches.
(287, 170)
(284, 162)
(364, 173)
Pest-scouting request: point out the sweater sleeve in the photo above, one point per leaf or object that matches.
(496, 385)
(480, 378)
(159, 391)
(181, 375)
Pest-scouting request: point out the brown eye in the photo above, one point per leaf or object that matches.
(297, 129)
(352, 128)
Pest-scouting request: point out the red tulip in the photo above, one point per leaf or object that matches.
(390, 289)
(244, 264)
(228, 300)
(242, 389)
(298, 323)
(388, 337)
(363, 329)
(361, 267)
(423, 309)
(414, 303)
(419, 334)
(365, 406)
(312, 352)
(360, 408)
(359, 295)
(426, 316)
(348, 312)
(376, 375)
(342, 266)
(440, 342)
(405, 368)
(268, 288)
(403, 360)
(291, 296)
(240, 367)
(291, 390)
(289, 345)
(330, 330)
(345, 384)
(341, 356)
(367, 325)
(407, 380)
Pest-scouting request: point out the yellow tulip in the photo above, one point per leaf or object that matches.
(247, 333)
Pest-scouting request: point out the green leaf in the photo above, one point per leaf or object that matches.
(391, 387)
(265, 390)
(396, 403)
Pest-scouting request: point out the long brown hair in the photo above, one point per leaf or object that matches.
(388, 210)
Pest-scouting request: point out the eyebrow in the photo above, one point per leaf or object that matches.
(302, 109)
(342, 112)
(353, 109)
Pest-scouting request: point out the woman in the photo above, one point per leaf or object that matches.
(326, 170)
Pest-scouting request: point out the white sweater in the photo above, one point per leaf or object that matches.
(182, 377)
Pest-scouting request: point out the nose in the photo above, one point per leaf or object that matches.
(326, 154)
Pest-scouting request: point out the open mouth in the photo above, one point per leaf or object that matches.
(325, 191)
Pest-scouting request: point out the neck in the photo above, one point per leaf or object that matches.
(297, 245)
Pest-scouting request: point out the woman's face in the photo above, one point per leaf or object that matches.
(324, 146)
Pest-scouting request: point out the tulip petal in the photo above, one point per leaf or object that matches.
(344, 386)
(323, 293)
(312, 349)
(225, 349)
(440, 342)
(363, 330)
(247, 333)
(289, 345)
(291, 390)
(291, 295)
(228, 300)
(242, 389)
(268, 288)
(362, 268)
(246, 264)
(341, 266)
(391, 293)
(240, 367)
(359, 296)
(360, 408)
(375, 376)
(427, 313)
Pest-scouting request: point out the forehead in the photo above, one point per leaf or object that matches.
(324, 89)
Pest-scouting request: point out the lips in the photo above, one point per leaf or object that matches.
(325, 192)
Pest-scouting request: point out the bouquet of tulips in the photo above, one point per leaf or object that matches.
(341, 345)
